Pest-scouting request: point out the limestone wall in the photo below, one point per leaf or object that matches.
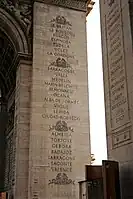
(118, 84)
(59, 128)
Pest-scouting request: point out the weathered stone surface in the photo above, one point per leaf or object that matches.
(118, 81)
(22, 129)
(21, 10)
(59, 133)
(72, 4)
(47, 134)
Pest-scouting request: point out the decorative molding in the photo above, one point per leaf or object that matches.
(24, 57)
(73, 4)
(10, 27)
(122, 137)
(21, 10)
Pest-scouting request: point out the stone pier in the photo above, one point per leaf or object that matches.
(117, 47)
(48, 142)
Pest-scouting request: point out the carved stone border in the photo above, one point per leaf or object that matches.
(73, 4)
(122, 136)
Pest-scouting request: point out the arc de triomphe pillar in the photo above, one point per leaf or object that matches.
(47, 143)
(59, 129)
(117, 46)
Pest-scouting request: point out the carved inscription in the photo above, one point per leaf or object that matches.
(61, 90)
(60, 85)
(122, 137)
(58, 69)
(116, 67)
(61, 151)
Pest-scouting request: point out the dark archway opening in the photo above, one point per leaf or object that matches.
(8, 57)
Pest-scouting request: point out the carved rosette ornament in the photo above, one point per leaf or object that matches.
(21, 10)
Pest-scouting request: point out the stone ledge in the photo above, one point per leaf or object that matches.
(80, 5)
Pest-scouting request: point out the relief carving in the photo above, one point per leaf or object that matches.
(61, 179)
(110, 2)
(22, 11)
(61, 20)
(60, 62)
(121, 137)
(61, 126)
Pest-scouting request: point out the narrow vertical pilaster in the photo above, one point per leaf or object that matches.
(22, 130)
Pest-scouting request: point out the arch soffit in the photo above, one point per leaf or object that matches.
(13, 31)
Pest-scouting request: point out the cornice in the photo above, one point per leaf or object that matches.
(72, 4)
(22, 58)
